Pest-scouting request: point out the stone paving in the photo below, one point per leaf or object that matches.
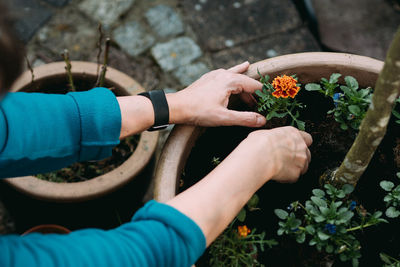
(168, 44)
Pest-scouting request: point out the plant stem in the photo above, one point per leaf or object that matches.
(360, 227)
(374, 125)
(101, 78)
(68, 67)
(99, 50)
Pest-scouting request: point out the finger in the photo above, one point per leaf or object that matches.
(308, 155)
(305, 168)
(240, 68)
(244, 118)
(244, 84)
(306, 137)
(248, 99)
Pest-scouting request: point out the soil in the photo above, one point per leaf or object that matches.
(328, 150)
(83, 171)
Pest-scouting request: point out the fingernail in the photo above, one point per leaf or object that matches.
(260, 120)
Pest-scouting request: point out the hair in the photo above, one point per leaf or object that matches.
(12, 51)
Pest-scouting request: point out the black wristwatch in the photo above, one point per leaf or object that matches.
(161, 109)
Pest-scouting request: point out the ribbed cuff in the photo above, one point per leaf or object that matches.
(100, 118)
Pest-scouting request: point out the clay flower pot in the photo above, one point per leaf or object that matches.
(48, 229)
(309, 66)
(52, 75)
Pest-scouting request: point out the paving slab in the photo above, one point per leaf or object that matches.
(364, 27)
(69, 30)
(142, 69)
(29, 16)
(275, 45)
(175, 53)
(133, 38)
(105, 11)
(226, 23)
(164, 21)
(190, 73)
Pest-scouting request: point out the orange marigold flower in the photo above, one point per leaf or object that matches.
(285, 86)
(243, 231)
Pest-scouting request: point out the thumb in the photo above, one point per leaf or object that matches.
(244, 118)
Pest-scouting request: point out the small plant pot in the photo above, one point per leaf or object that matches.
(47, 229)
(53, 76)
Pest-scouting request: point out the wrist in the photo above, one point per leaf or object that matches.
(177, 111)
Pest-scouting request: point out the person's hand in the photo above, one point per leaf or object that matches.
(280, 154)
(205, 102)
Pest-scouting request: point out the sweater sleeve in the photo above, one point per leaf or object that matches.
(45, 132)
(158, 235)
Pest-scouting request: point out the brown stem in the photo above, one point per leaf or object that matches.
(374, 125)
(68, 67)
(99, 50)
(102, 76)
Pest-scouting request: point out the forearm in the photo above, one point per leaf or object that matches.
(214, 201)
(137, 113)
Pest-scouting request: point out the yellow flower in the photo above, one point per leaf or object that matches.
(285, 86)
(243, 231)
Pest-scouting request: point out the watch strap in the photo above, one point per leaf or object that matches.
(161, 109)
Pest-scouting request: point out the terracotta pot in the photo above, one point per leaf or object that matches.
(53, 74)
(48, 229)
(309, 67)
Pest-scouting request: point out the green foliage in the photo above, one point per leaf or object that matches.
(389, 261)
(328, 87)
(395, 113)
(328, 221)
(274, 107)
(233, 249)
(351, 102)
(230, 249)
(392, 198)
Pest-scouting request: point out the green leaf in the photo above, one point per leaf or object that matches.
(348, 189)
(344, 127)
(323, 236)
(355, 262)
(313, 87)
(280, 231)
(318, 201)
(344, 217)
(310, 229)
(242, 215)
(312, 242)
(329, 249)
(300, 238)
(253, 202)
(391, 212)
(351, 82)
(260, 93)
(319, 219)
(354, 109)
(385, 258)
(334, 77)
(386, 185)
(301, 125)
(318, 193)
(281, 214)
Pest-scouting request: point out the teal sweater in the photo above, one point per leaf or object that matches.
(41, 133)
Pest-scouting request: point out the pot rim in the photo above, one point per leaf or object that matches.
(101, 185)
(182, 138)
(61, 229)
